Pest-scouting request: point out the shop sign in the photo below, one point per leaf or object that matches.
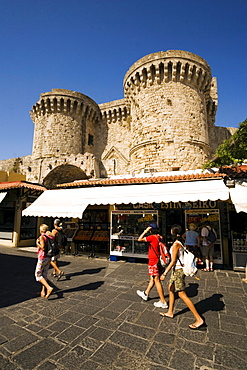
(199, 204)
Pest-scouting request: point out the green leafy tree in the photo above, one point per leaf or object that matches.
(232, 151)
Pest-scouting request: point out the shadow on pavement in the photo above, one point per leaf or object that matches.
(18, 284)
(212, 303)
(89, 286)
(85, 272)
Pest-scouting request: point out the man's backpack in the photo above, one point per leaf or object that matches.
(165, 257)
(189, 265)
(61, 239)
(51, 247)
(211, 237)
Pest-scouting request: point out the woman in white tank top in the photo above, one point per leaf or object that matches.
(177, 279)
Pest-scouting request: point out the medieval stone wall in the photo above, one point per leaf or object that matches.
(168, 94)
(164, 122)
(115, 154)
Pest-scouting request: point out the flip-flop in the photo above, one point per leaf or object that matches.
(200, 327)
(163, 314)
(60, 275)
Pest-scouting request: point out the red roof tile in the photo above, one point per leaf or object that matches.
(234, 171)
(20, 184)
(141, 180)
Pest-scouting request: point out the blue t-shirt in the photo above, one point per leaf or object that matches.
(191, 237)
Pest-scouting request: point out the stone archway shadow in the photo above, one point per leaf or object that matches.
(63, 174)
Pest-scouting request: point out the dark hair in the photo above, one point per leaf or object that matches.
(176, 231)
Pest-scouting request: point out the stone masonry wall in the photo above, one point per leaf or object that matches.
(116, 146)
(164, 122)
(168, 94)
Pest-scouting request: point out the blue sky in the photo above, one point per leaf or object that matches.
(88, 46)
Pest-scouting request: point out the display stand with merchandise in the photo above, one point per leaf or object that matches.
(126, 227)
(239, 251)
(92, 235)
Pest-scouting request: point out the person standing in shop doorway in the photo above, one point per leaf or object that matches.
(207, 248)
(192, 241)
(154, 270)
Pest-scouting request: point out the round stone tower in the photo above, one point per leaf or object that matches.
(64, 124)
(172, 99)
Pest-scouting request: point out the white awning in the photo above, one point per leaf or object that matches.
(2, 196)
(239, 197)
(73, 202)
(56, 203)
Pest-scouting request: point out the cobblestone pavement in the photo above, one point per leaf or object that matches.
(95, 320)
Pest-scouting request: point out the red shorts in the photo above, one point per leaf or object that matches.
(154, 270)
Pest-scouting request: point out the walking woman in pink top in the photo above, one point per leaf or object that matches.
(43, 263)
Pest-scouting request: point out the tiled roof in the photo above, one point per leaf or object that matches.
(20, 184)
(142, 180)
(237, 171)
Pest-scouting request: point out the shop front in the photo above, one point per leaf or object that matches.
(87, 234)
(15, 230)
(238, 221)
(110, 218)
(128, 224)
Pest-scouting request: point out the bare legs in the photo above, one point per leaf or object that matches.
(182, 294)
(190, 305)
(171, 291)
(155, 280)
(56, 268)
(46, 288)
(41, 276)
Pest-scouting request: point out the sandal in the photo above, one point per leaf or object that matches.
(199, 327)
(54, 274)
(60, 275)
(206, 270)
(211, 269)
(164, 314)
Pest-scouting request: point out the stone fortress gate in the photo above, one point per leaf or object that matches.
(164, 122)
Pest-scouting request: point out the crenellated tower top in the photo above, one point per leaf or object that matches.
(68, 102)
(173, 99)
(65, 123)
(163, 67)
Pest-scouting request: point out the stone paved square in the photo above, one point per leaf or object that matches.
(95, 320)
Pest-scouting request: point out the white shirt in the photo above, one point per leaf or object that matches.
(180, 258)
